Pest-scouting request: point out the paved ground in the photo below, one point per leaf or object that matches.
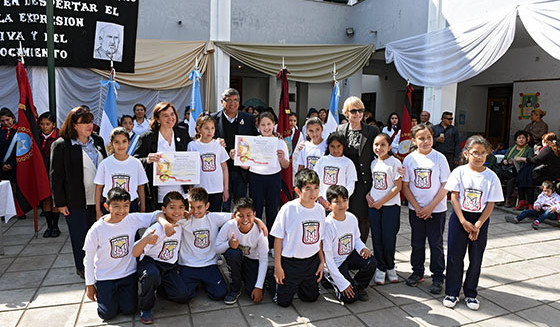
(518, 287)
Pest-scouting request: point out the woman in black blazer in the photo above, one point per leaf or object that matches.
(74, 160)
(164, 135)
(359, 137)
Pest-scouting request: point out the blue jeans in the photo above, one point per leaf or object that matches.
(117, 295)
(385, 224)
(457, 244)
(539, 215)
(431, 228)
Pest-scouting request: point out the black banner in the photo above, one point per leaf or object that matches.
(87, 33)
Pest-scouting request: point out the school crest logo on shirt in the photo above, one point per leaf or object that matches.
(168, 250)
(119, 246)
(246, 250)
(345, 244)
(311, 161)
(472, 200)
(379, 180)
(330, 175)
(122, 181)
(208, 162)
(423, 178)
(201, 238)
(310, 232)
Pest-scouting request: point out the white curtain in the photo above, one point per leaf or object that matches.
(460, 52)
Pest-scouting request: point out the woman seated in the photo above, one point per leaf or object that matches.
(509, 166)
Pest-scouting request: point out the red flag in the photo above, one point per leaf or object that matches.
(32, 184)
(284, 130)
(404, 141)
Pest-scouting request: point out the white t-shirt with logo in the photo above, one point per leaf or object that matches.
(127, 174)
(166, 249)
(253, 244)
(385, 173)
(212, 155)
(335, 171)
(425, 173)
(341, 238)
(475, 188)
(311, 153)
(301, 229)
(112, 246)
(199, 237)
(275, 165)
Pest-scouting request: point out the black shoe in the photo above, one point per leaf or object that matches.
(80, 273)
(362, 294)
(48, 232)
(232, 297)
(326, 284)
(414, 280)
(436, 287)
(55, 232)
(512, 220)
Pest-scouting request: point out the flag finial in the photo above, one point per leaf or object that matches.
(21, 54)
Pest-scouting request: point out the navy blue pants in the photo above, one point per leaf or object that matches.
(299, 278)
(366, 270)
(237, 187)
(265, 190)
(79, 221)
(215, 201)
(242, 269)
(457, 244)
(385, 224)
(431, 228)
(163, 277)
(116, 296)
(210, 277)
(540, 216)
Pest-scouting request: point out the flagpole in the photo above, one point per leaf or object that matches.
(50, 57)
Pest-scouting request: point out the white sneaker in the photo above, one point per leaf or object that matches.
(450, 301)
(472, 303)
(379, 277)
(392, 275)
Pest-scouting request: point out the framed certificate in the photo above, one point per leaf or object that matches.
(177, 168)
(255, 151)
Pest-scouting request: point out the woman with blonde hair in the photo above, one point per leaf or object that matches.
(537, 127)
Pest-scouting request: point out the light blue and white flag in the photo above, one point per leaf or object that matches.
(332, 119)
(196, 101)
(109, 118)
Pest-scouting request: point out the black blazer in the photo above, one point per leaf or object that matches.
(148, 143)
(67, 172)
(246, 124)
(366, 155)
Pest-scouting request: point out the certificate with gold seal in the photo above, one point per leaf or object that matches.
(177, 168)
(255, 151)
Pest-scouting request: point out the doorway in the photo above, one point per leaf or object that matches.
(498, 114)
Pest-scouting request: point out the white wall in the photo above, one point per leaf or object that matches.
(159, 20)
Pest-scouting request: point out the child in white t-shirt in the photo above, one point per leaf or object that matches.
(245, 249)
(110, 268)
(120, 170)
(345, 251)
(313, 149)
(384, 208)
(128, 123)
(157, 268)
(298, 230)
(335, 169)
(426, 172)
(545, 207)
(213, 167)
(475, 189)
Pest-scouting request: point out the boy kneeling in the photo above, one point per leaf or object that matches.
(344, 250)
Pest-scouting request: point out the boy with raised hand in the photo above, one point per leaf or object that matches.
(345, 251)
(245, 249)
(110, 268)
(298, 231)
(158, 269)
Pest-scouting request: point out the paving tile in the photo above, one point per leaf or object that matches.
(44, 240)
(182, 320)
(400, 293)
(21, 279)
(88, 317)
(245, 300)
(376, 302)
(5, 263)
(59, 276)
(41, 249)
(67, 247)
(64, 316)
(509, 297)
(58, 295)
(271, 314)
(434, 313)
(510, 320)
(32, 263)
(220, 318)
(346, 321)
(164, 308)
(10, 318)
(16, 240)
(202, 303)
(487, 310)
(19, 230)
(16, 299)
(64, 260)
(388, 317)
(555, 305)
(542, 316)
(12, 250)
(325, 307)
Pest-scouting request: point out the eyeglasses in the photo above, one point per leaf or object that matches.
(357, 111)
(478, 154)
(448, 118)
(231, 100)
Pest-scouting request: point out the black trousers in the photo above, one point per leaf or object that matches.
(299, 278)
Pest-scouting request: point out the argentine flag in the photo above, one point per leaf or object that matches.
(332, 119)
(196, 102)
(109, 117)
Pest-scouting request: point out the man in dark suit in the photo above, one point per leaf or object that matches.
(230, 122)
